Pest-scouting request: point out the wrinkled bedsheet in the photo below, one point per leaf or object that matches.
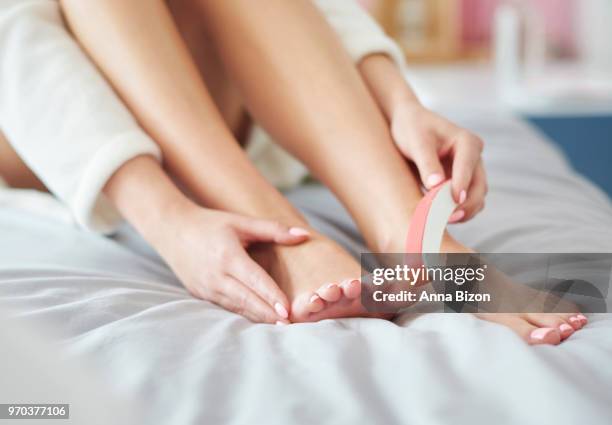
(115, 303)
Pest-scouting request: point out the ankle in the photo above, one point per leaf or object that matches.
(389, 236)
(396, 242)
(451, 245)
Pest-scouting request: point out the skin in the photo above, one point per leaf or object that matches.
(433, 143)
(14, 171)
(352, 114)
(213, 267)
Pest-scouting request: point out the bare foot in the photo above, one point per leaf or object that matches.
(320, 278)
(533, 328)
(539, 328)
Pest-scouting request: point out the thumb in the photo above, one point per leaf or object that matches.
(255, 230)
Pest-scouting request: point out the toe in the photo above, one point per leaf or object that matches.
(545, 336)
(330, 292)
(529, 333)
(566, 330)
(556, 321)
(575, 322)
(315, 304)
(351, 288)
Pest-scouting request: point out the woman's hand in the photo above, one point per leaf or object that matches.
(205, 248)
(438, 148)
(207, 251)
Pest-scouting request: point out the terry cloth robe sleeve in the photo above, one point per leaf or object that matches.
(60, 114)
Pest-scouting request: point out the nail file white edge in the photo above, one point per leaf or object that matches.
(440, 211)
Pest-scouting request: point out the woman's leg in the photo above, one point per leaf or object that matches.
(148, 63)
(298, 82)
(157, 78)
(171, 103)
(221, 88)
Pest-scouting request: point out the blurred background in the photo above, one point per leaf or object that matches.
(549, 61)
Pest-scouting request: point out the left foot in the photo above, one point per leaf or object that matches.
(320, 278)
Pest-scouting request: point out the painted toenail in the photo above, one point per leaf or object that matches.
(565, 328)
(281, 310)
(298, 231)
(582, 317)
(541, 333)
(314, 298)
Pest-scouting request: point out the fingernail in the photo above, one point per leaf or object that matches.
(281, 310)
(314, 298)
(541, 333)
(462, 196)
(434, 179)
(456, 216)
(565, 328)
(583, 318)
(298, 231)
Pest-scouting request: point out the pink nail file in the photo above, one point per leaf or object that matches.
(430, 219)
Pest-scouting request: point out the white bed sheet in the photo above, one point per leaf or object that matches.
(190, 362)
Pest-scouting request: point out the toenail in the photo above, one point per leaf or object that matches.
(565, 327)
(281, 310)
(575, 320)
(314, 298)
(541, 333)
(329, 285)
(280, 323)
(582, 317)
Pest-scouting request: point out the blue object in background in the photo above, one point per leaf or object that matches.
(587, 142)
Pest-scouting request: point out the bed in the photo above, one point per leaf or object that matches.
(179, 360)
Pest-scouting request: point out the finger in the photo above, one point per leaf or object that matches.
(423, 150)
(237, 298)
(466, 157)
(253, 276)
(255, 230)
(476, 194)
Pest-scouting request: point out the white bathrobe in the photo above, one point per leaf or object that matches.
(73, 131)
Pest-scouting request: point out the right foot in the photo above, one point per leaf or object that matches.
(539, 328)
(533, 328)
